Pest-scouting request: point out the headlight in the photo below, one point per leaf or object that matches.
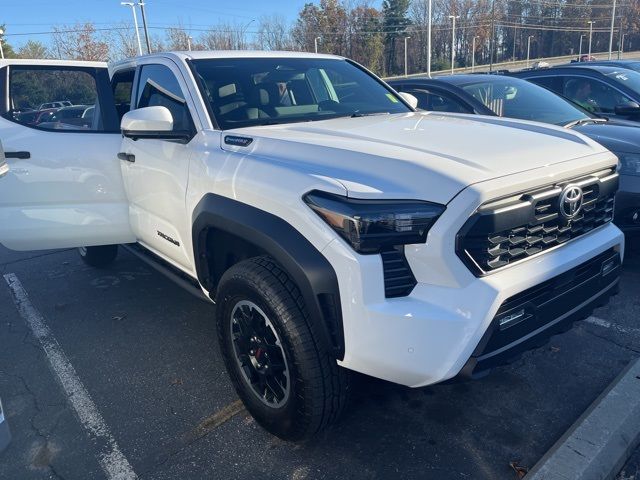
(371, 225)
(629, 163)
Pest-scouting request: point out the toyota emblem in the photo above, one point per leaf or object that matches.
(571, 200)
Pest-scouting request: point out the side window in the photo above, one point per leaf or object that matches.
(551, 83)
(122, 84)
(158, 86)
(54, 98)
(592, 94)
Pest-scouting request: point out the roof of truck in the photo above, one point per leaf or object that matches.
(204, 54)
(51, 62)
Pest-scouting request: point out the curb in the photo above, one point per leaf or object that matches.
(599, 443)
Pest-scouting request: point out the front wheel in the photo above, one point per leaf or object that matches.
(279, 366)
(100, 256)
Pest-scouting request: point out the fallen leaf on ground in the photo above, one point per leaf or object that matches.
(520, 470)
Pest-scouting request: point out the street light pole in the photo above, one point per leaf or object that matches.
(1, 50)
(144, 23)
(528, 48)
(580, 49)
(135, 23)
(453, 41)
(492, 33)
(315, 43)
(613, 21)
(405, 56)
(429, 41)
(473, 53)
(590, 22)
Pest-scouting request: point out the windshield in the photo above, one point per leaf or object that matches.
(629, 78)
(266, 91)
(514, 98)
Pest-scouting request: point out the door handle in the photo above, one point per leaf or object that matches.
(127, 157)
(18, 155)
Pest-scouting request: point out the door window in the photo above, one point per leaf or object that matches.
(593, 95)
(122, 84)
(158, 86)
(55, 98)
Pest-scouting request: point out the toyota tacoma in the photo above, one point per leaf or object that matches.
(335, 228)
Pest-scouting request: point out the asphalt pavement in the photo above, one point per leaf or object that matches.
(146, 356)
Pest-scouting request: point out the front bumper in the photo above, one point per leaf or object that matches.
(440, 329)
(528, 319)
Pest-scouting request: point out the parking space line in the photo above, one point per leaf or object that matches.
(113, 462)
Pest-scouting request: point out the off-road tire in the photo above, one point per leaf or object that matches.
(319, 387)
(98, 257)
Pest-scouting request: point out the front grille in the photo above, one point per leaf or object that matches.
(514, 228)
(398, 277)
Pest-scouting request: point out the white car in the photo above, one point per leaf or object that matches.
(5, 434)
(335, 227)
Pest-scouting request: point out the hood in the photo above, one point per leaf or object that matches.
(415, 155)
(617, 138)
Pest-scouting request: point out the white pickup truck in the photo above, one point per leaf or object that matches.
(335, 227)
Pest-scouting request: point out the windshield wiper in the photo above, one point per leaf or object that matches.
(358, 113)
(584, 121)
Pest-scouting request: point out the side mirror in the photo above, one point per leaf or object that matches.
(147, 119)
(4, 166)
(628, 108)
(410, 99)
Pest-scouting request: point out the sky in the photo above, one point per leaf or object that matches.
(29, 16)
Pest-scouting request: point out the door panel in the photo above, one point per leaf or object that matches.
(156, 182)
(65, 189)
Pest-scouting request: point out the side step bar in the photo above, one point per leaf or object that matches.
(174, 274)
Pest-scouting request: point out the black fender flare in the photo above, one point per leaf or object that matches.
(309, 269)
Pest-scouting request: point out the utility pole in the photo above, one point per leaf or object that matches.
(135, 22)
(493, 32)
(1, 50)
(189, 42)
(429, 41)
(528, 48)
(473, 54)
(315, 43)
(515, 32)
(580, 49)
(144, 23)
(613, 21)
(621, 45)
(453, 41)
(405, 55)
(590, 22)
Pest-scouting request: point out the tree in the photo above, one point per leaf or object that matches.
(7, 49)
(80, 42)
(395, 25)
(33, 49)
(274, 33)
(327, 21)
(366, 41)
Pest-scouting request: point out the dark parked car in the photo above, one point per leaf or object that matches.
(516, 98)
(629, 64)
(612, 92)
